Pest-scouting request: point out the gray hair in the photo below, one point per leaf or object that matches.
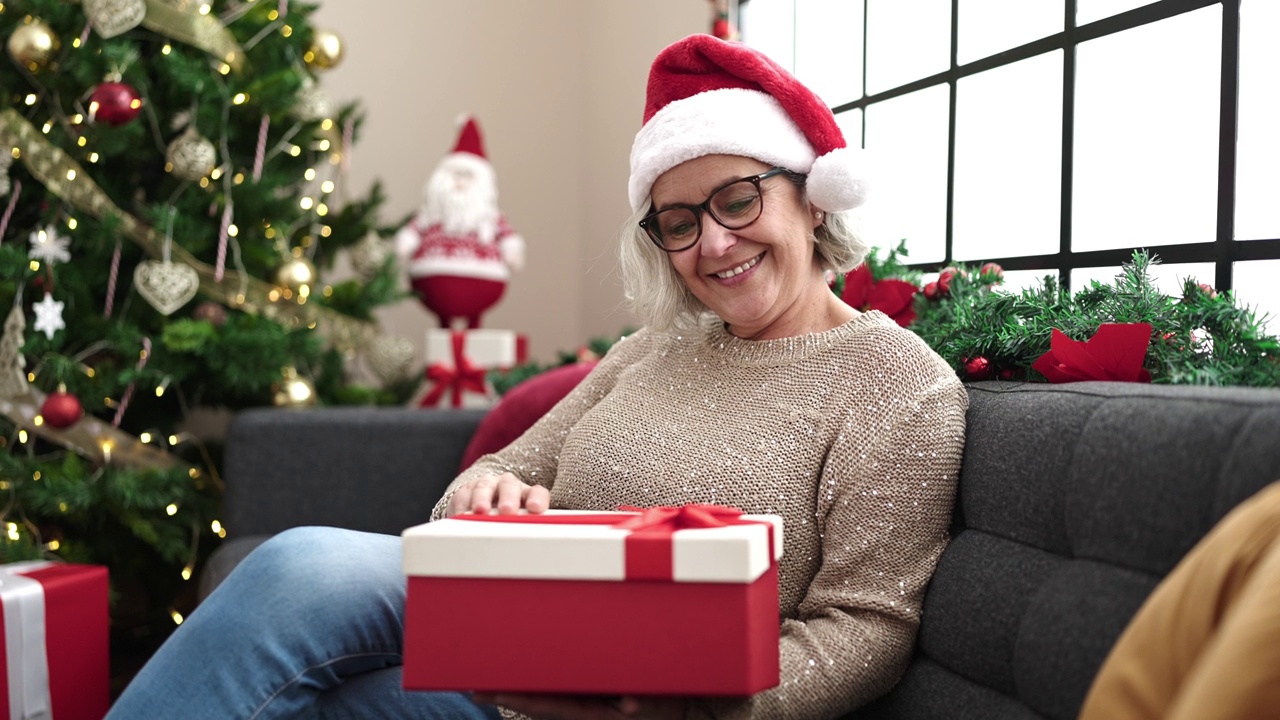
(659, 298)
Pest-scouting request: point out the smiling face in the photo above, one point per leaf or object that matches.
(765, 279)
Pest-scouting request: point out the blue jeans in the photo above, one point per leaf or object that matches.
(309, 625)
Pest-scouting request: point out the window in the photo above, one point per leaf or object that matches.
(1056, 136)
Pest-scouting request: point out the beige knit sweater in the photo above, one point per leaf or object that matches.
(853, 435)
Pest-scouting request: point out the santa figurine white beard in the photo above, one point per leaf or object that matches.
(459, 250)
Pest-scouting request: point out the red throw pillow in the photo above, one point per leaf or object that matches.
(521, 407)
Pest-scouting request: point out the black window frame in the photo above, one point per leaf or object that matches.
(1223, 250)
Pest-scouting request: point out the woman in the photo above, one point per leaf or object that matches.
(752, 385)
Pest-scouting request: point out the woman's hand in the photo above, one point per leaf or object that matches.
(505, 492)
(566, 707)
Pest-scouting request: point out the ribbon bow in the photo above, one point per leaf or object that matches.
(461, 377)
(649, 543)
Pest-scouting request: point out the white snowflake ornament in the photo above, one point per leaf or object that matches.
(49, 246)
(49, 316)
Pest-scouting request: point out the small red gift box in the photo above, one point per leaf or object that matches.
(55, 649)
(668, 601)
(458, 361)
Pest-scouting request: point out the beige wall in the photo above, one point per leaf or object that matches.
(558, 88)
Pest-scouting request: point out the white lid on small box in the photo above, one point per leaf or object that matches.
(523, 550)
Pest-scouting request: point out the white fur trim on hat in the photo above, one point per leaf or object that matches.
(837, 181)
(729, 121)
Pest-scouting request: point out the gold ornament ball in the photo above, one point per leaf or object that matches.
(293, 390)
(298, 275)
(34, 44)
(325, 51)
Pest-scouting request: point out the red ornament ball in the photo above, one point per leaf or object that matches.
(944, 279)
(977, 368)
(114, 103)
(61, 410)
(211, 312)
(992, 273)
(931, 290)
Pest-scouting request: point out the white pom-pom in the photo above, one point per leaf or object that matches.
(838, 180)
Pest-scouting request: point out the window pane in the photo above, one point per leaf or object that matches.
(1255, 284)
(906, 40)
(1008, 175)
(1146, 134)
(850, 123)
(1258, 143)
(907, 136)
(829, 48)
(1168, 279)
(991, 26)
(1015, 281)
(770, 27)
(1089, 10)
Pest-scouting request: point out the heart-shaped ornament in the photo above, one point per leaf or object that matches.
(115, 17)
(390, 357)
(166, 285)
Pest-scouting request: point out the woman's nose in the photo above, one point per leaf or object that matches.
(716, 239)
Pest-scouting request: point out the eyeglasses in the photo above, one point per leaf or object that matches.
(734, 205)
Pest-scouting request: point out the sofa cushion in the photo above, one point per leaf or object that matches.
(1074, 501)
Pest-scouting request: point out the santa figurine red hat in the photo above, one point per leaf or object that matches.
(459, 250)
(707, 96)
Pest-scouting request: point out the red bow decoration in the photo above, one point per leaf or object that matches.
(891, 297)
(1115, 352)
(649, 544)
(461, 377)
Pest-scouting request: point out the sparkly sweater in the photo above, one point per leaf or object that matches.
(852, 435)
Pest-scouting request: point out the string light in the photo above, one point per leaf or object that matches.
(326, 186)
(193, 473)
(232, 230)
(82, 141)
(177, 617)
(166, 49)
(310, 174)
(52, 545)
(22, 436)
(107, 446)
(171, 509)
(204, 9)
(306, 203)
(77, 118)
(325, 231)
(186, 573)
(13, 531)
(34, 265)
(36, 476)
(215, 526)
(71, 174)
(216, 173)
(322, 209)
(204, 182)
(239, 99)
(93, 157)
(173, 439)
(72, 223)
(145, 437)
(326, 124)
(324, 145)
(31, 99)
(286, 31)
(239, 178)
(294, 150)
(224, 69)
(38, 420)
(164, 384)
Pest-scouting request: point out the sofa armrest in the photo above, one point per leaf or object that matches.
(372, 469)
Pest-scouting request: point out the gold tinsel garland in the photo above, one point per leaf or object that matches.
(186, 25)
(66, 179)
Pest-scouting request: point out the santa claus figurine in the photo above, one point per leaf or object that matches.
(459, 250)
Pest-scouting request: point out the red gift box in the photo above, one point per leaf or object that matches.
(55, 649)
(661, 602)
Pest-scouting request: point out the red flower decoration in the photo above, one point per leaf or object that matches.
(891, 297)
(1115, 352)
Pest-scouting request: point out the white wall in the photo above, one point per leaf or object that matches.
(558, 89)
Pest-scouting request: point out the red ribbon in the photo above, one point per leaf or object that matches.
(461, 377)
(649, 546)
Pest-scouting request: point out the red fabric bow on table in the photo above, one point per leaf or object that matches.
(891, 297)
(649, 544)
(1115, 352)
(461, 377)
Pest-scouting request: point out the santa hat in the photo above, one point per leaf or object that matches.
(707, 96)
(469, 138)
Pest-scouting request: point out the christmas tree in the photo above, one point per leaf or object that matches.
(171, 182)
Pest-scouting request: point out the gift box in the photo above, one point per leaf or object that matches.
(55, 649)
(667, 601)
(458, 360)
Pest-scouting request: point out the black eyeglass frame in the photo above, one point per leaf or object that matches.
(646, 223)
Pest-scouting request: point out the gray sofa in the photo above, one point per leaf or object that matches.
(1074, 501)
